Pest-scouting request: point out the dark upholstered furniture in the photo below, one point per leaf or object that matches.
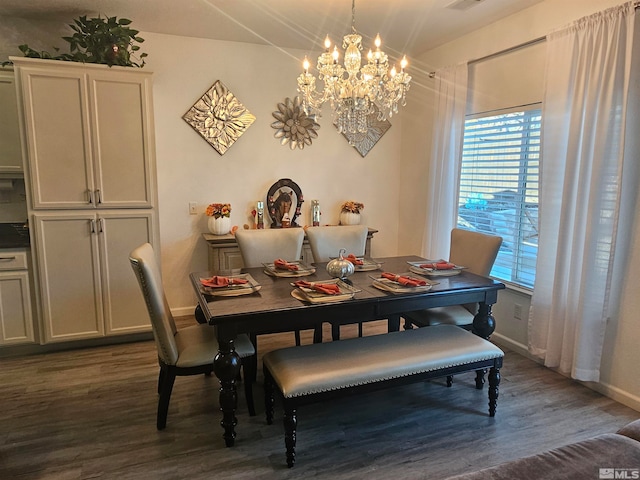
(318, 372)
(188, 351)
(618, 452)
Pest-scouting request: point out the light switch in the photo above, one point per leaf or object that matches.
(193, 208)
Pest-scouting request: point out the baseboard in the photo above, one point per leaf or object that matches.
(517, 347)
(183, 311)
(609, 391)
(615, 393)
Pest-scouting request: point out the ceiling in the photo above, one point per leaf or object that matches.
(405, 26)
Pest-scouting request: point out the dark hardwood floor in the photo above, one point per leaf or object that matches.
(91, 414)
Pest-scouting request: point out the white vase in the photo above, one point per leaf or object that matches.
(219, 226)
(349, 218)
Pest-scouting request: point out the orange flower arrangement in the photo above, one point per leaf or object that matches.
(218, 210)
(353, 207)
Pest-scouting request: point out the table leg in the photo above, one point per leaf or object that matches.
(483, 323)
(226, 366)
(393, 323)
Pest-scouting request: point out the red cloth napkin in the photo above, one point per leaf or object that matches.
(441, 265)
(353, 259)
(284, 265)
(404, 280)
(326, 288)
(218, 281)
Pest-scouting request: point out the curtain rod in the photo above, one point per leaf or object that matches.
(636, 5)
(501, 52)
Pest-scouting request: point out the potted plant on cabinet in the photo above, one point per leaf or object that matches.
(102, 40)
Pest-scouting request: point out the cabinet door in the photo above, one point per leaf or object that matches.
(10, 151)
(16, 322)
(119, 233)
(68, 275)
(122, 138)
(58, 139)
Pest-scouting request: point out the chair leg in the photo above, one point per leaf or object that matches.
(253, 338)
(317, 334)
(480, 378)
(168, 378)
(335, 332)
(161, 376)
(249, 374)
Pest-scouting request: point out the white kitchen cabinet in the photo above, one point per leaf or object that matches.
(89, 146)
(16, 321)
(86, 284)
(10, 150)
(89, 134)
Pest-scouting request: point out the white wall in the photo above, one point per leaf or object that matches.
(619, 378)
(189, 169)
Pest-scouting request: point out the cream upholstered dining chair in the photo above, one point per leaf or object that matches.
(264, 246)
(187, 351)
(474, 250)
(326, 242)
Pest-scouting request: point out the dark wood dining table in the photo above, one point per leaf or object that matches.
(273, 309)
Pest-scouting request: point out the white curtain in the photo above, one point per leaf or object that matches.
(586, 84)
(444, 164)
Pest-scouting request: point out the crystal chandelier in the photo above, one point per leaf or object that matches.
(354, 92)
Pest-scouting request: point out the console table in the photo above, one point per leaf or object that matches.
(224, 254)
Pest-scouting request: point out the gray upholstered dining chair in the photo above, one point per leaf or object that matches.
(326, 242)
(264, 246)
(186, 351)
(474, 250)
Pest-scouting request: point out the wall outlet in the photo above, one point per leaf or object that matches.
(193, 208)
(517, 311)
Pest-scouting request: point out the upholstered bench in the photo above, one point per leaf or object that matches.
(317, 372)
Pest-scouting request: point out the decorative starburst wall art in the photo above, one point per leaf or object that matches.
(363, 142)
(219, 117)
(293, 125)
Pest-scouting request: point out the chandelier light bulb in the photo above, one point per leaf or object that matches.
(357, 93)
(404, 63)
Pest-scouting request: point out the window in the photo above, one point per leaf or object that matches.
(499, 188)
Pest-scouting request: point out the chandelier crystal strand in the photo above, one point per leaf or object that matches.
(353, 90)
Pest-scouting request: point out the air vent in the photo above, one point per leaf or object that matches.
(463, 4)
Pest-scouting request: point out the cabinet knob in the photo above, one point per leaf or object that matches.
(90, 192)
(98, 197)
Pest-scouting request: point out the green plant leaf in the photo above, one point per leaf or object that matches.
(93, 41)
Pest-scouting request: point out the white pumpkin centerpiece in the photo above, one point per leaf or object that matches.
(350, 213)
(219, 218)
